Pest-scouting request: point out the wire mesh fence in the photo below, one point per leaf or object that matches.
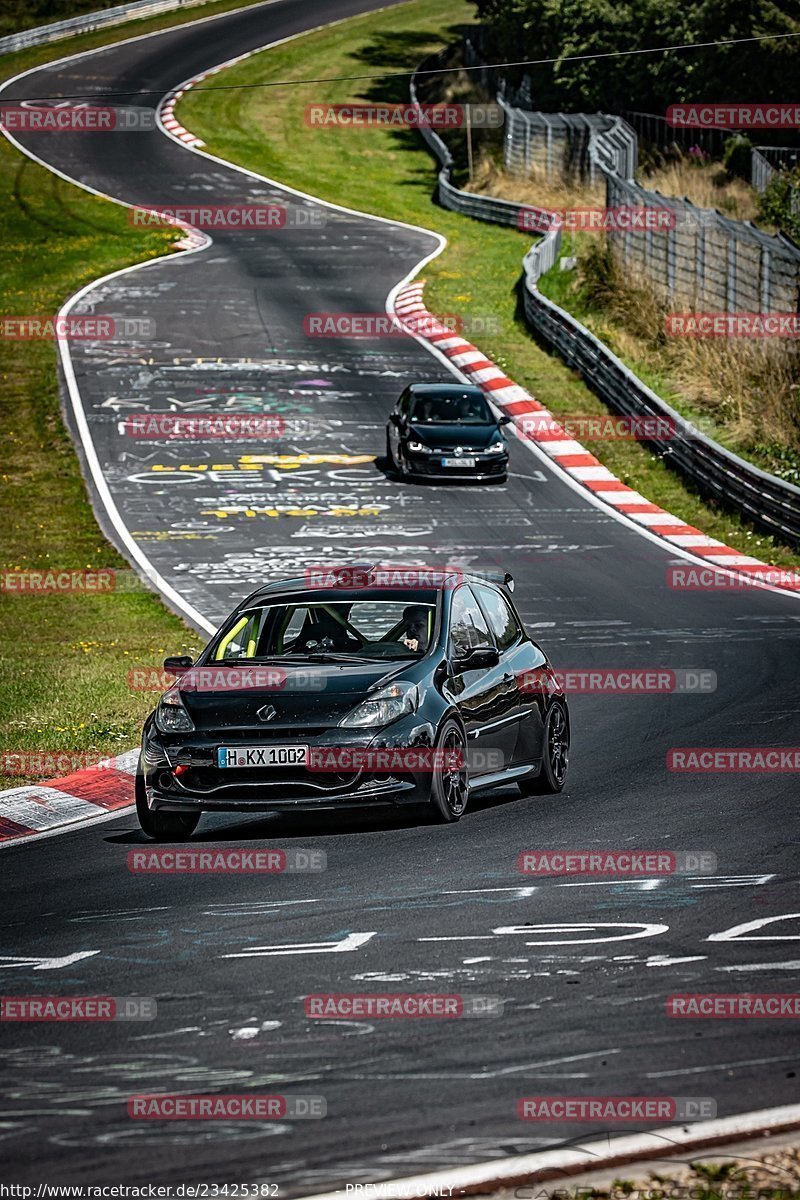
(710, 260)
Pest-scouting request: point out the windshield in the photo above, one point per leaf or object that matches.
(360, 629)
(448, 408)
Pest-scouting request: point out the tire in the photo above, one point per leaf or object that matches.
(163, 826)
(392, 465)
(555, 759)
(450, 788)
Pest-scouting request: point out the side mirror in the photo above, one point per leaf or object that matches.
(505, 420)
(178, 664)
(482, 658)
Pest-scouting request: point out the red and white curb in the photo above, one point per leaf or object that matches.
(535, 423)
(88, 795)
(170, 121)
(656, 1146)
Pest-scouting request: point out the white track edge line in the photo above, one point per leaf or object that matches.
(80, 415)
(592, 1156)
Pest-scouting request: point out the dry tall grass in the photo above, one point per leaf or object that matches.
(534, 188)
(707, 185)
(749, 388)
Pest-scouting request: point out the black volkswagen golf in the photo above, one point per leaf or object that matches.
(446, 430)
(364, 685)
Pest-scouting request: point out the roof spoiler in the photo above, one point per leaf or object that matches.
(504, 578)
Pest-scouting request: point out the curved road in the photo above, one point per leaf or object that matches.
(445, 908)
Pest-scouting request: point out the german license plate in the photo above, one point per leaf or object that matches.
(262, 756)
(458, 462)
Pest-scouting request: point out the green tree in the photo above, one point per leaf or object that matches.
(558, 29)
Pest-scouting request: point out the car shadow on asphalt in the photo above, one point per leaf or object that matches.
(225, 827)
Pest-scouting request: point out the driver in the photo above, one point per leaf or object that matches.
(416, 628)
(328, 633)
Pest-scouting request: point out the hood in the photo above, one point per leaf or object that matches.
(305, 696)
(444, 437)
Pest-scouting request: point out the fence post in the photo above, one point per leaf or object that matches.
(699, 271)
(671, 263)
(766, 278)
(730, 291)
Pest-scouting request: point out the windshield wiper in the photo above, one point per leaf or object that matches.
(337, 656)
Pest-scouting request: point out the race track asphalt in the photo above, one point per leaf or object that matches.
(230, 958)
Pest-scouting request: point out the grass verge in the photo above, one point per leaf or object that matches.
(64, 659)
(389, 172)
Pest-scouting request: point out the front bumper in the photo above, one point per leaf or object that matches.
(487, 466)
(205, 787)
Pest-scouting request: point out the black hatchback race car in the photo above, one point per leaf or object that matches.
(446, 430)
(359, 686)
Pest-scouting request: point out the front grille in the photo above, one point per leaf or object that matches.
(213, 779)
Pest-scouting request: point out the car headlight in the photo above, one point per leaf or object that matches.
(171, 716)
(417, 447)
(496, 448)
(383, 707)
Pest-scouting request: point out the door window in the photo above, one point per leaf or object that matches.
(468, 628)
(503, 623)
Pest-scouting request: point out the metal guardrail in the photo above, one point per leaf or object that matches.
(469, 204)
(706, 260)
(564, 144)
(770, 503)
(41, 34)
